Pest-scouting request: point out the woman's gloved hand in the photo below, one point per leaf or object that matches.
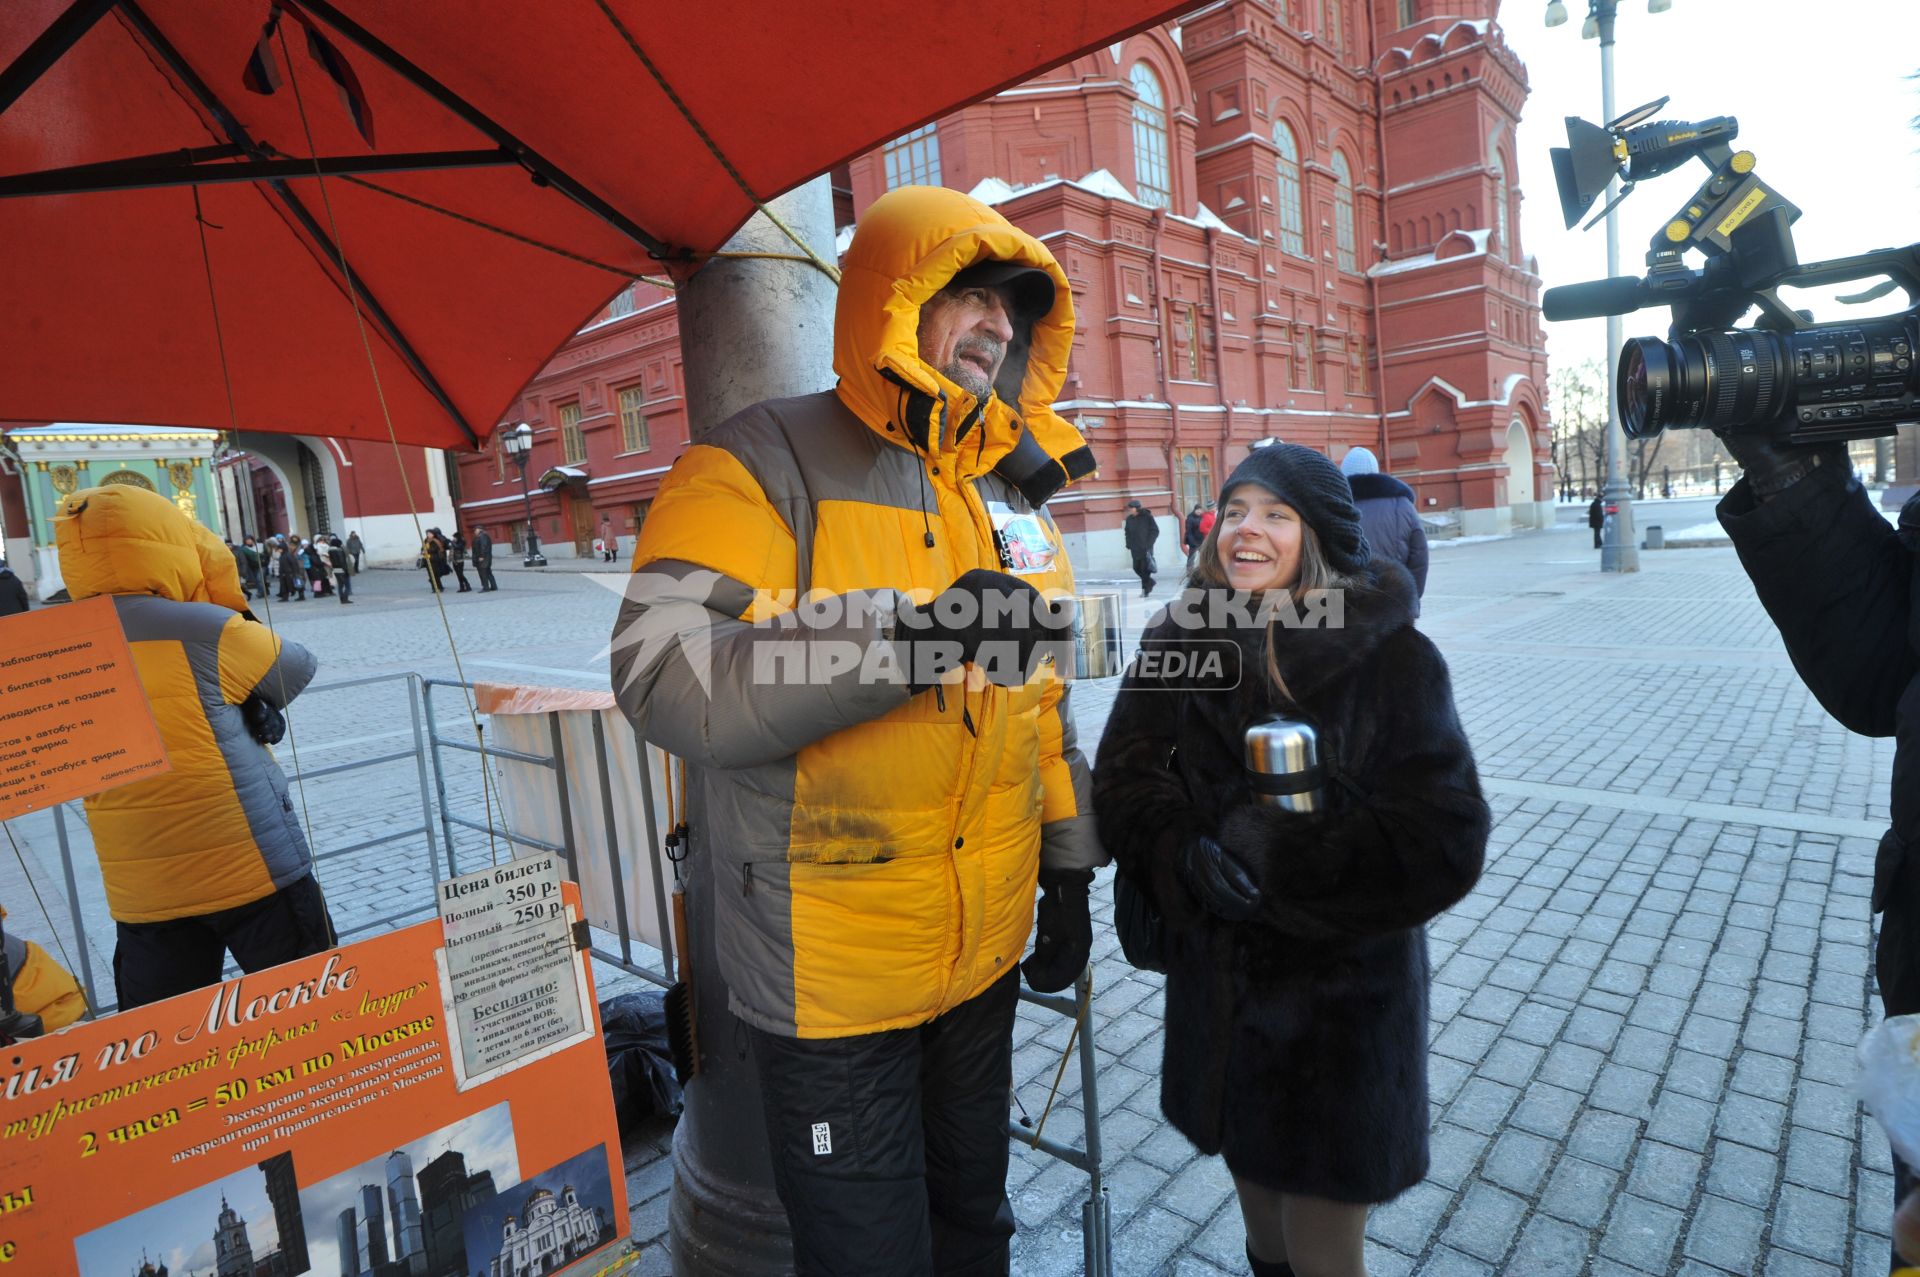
(1219, 883)
(1063, 932)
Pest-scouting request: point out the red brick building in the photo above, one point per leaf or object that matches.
(1287, 218)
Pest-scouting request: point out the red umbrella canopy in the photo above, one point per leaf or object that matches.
(496, 170)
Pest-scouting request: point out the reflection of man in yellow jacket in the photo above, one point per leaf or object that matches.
(207, 858)
(37, 995)
(808, 624)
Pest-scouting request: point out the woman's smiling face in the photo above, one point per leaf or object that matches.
(1259, 540)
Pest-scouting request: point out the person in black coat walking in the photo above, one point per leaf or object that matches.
(13, 593)
(1296, 995)
(1597, 517)
(1843, 587)
(1192, 536)
(1388, 516)
(1141, 531)
(457, 556)
(483, 560)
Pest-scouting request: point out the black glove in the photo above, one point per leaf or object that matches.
(1064, 932)
(1771, 468)
(1218, 883)
(264, 723)
(980, 608)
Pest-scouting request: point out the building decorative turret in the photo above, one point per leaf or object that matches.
(232, 1252)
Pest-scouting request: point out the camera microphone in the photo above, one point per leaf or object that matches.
(1617, 296)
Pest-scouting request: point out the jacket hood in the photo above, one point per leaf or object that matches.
(1367, 486)
(910, 242)
(126, 540)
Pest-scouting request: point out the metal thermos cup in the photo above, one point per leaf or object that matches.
(1283, 764)
(1096, 636)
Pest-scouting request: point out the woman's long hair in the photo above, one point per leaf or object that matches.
(1316, 577)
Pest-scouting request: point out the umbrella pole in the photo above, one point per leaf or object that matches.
(750, 329)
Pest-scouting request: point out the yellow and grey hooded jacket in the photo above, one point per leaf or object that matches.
(218, 830)
(874, 852)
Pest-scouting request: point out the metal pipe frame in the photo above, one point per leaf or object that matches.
(138, 175)
(1096, 1224)
(49, 47)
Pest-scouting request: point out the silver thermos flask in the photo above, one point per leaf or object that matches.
(1283, 764)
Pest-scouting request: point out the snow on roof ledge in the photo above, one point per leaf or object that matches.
(990, 191)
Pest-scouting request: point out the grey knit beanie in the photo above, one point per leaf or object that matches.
(1314, 486)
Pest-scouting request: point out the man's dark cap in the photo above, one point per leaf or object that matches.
(1032, 287)
(1135, 505)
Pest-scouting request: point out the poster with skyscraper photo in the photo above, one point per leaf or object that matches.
(302, 1119)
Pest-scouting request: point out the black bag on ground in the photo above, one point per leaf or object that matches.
(634, 1027)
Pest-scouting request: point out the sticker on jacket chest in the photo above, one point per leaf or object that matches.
(1023, 539)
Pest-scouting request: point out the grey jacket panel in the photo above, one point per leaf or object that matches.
(1073, 843)
(258, 783)
(722, 692)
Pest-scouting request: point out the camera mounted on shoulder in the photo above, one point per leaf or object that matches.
(1786, 379)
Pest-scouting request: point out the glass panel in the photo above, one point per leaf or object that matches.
(913, 159)
(573, 444)
(633, 422)
(1293, 220)
(1150, 176)
(1343, 213)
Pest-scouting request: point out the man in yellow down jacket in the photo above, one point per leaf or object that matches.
(831, 603)
(207, 858)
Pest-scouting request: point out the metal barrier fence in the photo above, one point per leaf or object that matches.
(442, 860)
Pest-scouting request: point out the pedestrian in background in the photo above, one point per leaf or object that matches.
(1296, 995)
(607, 545)
(313, 557)
(1389, 517)
(1140, 531)
(247, 563)
(1597, 517)
(342, 568)
(483, 560)
(355, 549)
(433, 557)
(1191, 537)
(457, 557)
(13, 593)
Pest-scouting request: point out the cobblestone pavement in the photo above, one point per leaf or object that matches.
(1643, 1017)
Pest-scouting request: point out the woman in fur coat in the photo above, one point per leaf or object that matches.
(1296, 1001)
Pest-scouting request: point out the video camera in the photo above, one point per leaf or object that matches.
(1787, 377)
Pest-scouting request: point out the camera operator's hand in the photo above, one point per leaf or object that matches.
(1771, 468)
(1218, 883)
(980, 607)
(1063, 931)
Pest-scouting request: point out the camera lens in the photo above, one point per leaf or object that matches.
(1645, 386)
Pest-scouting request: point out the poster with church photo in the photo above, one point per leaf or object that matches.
(403, 1214)
(247, 1224)
(547, 1222)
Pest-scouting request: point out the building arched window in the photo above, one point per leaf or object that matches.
(1151, 180)
(1502, 246)
(1293, 220)
(1343, 213)
(913, 159)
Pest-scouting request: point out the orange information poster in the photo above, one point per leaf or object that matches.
(300, 1120)
(74, 719)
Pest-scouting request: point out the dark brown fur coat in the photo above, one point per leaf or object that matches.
(1296, 1042)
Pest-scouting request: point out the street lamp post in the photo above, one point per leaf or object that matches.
(1618, 553)
(519, 445)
